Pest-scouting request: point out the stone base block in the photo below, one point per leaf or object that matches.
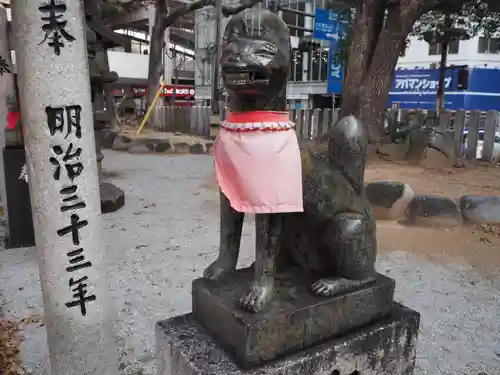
(293, 320)
(386, 347)
(112, 198)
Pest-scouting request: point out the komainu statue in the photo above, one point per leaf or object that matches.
(310, 205)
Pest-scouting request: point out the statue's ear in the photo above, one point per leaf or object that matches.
(236, 27)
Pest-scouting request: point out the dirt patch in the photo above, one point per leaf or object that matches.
(454, 183)
(478, 245)
(463, 245)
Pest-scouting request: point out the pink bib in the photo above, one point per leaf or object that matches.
(258, 164)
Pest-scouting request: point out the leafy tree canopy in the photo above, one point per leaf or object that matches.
(459, 19)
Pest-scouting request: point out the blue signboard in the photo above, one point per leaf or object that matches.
(327, 25)
(335, 71)
(417, 88)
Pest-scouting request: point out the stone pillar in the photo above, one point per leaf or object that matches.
(61, 159)
(6, 89)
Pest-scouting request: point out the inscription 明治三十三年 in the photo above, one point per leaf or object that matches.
(65, 119)
(77, 260)
(80, 298)
(68, 159)
(75, 225)
(55, 26)
(71, 200)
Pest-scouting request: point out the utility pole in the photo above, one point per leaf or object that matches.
(443, 43)
(215, 73)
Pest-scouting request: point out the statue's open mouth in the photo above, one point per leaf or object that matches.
(246, 78)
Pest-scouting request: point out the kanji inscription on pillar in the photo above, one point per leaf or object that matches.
(55, 26)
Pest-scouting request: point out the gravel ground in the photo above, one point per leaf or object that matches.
(168, 232)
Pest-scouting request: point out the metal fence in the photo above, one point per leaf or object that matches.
(188, 120)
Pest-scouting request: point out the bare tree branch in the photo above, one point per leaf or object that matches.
(228, 11)
(171, 18)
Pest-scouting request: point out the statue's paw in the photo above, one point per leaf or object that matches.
(216, 270)
(326, 287)
(333, 286)
(257, 298)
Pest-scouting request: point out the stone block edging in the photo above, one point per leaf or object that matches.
(390, 200)
(393, 200)
(120, 142)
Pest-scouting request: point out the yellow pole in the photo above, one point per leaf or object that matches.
(150, 109)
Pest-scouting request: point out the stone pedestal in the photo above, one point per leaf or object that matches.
(297, 332)
(386, 347)
(293, 320)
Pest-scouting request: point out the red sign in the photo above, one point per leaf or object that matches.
(180, 91)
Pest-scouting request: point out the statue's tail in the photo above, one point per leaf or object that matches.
(347, 150)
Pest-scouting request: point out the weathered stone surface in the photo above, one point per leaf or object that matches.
(392, 152)
(436, 211)
(55, 74)
(181, 148)
(389, 199)
(417, 142)
(434, 159)
(121, 143)
(163, 147)
(112, 198)
(293, 320)
(197, 148)
(481, 209)
(139, 148)
(432, 148)
(385, 347)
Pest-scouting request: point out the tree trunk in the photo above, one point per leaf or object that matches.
(368, 99)
(155, 68)
(368, 22)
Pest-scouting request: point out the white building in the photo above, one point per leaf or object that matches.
(478, 52)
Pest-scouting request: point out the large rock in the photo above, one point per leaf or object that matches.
(482, 210)
(434, 211)
(112, 198)
(431, 147)
(440, 153)
(389, 199)
(417, 142)
(121, 142)
(392, 152)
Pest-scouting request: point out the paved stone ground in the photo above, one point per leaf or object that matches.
(168, 232)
